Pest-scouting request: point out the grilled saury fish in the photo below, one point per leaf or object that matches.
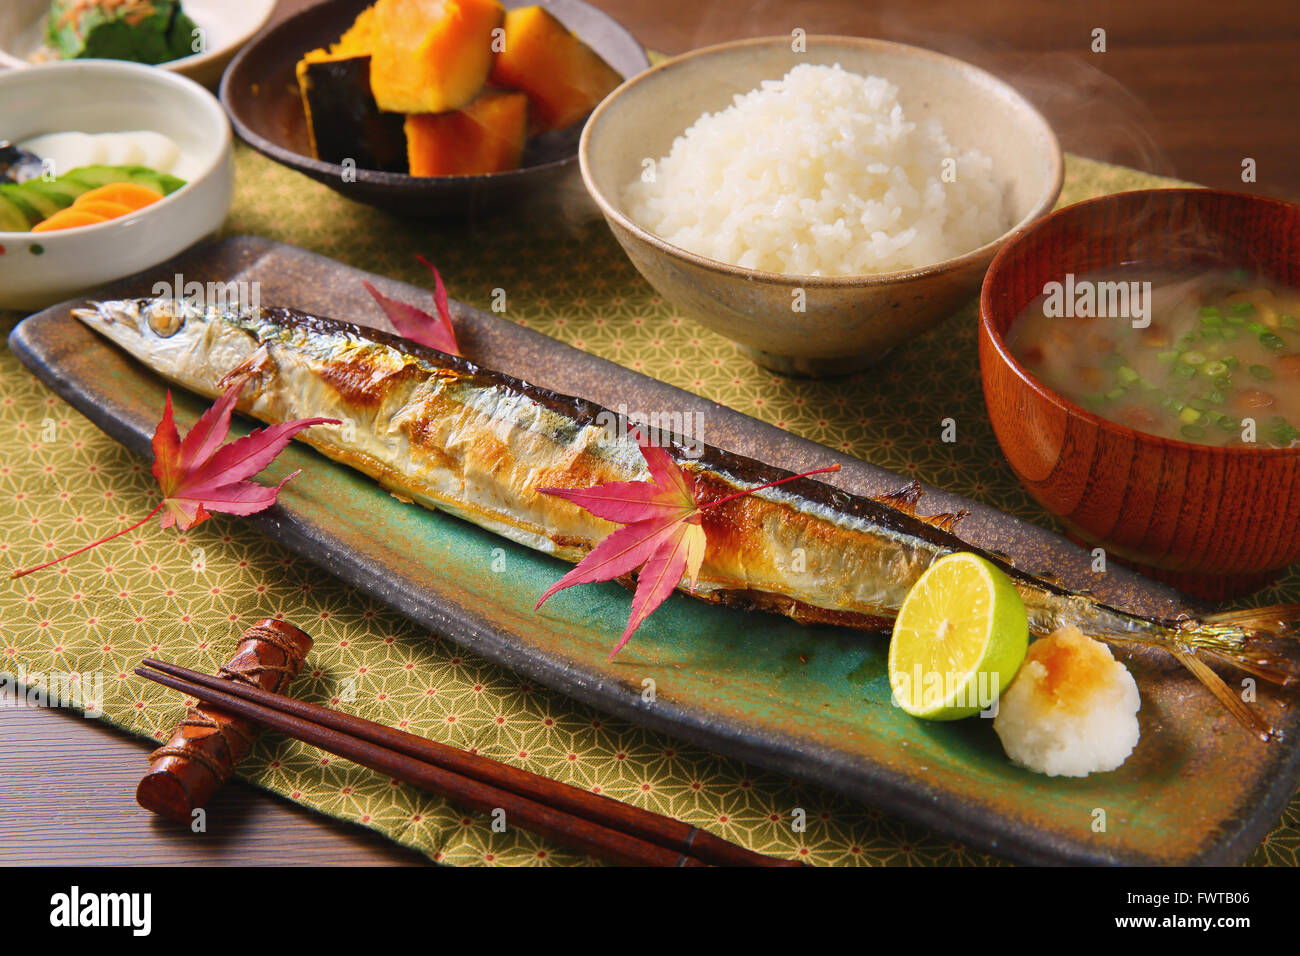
(475, 443)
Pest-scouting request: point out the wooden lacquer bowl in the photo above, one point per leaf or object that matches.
(1217, 522)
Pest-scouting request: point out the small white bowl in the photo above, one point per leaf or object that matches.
(100, 96)
(226, 24)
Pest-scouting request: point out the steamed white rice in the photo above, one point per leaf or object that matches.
(820, 173)
(1071, 710)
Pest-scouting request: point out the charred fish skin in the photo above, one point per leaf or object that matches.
(476, 443)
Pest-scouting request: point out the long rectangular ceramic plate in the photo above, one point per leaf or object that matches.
(808, 701)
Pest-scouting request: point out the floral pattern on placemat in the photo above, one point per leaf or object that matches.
(186, 597)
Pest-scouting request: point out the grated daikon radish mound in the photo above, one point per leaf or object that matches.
(1072, 709)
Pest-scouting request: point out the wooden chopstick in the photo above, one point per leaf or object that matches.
(461, 774)
(575, 832)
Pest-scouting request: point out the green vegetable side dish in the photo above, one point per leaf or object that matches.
(143, 31)
(23, 205)
(1210, 357)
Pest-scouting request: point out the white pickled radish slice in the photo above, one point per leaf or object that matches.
(63, 152)
(121, 149)
(71, 150)
(157, 151)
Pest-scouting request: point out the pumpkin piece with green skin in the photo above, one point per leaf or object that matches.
(343, 120)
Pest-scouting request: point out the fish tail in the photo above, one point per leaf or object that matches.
(1261, 642)
(1230, 699)
(1258, 641)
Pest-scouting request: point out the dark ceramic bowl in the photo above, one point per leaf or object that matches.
(260, 92)
(1217, 522)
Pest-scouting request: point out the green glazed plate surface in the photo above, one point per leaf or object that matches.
(809, 701)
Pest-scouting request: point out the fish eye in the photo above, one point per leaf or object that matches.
(165, 317)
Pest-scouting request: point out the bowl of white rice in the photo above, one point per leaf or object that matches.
(819, 200)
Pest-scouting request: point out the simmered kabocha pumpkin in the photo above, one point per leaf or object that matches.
(343, 120)
(406, 88)
(359, 37)
(428, 56)
(563, 77)
(487, 136)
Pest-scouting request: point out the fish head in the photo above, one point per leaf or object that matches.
(158, 331)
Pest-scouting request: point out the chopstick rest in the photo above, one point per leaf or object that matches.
(590, 823)
(205, 747)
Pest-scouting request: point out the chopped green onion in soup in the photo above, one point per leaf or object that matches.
(1211, 357)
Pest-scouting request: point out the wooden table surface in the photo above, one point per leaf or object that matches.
(1182, 89)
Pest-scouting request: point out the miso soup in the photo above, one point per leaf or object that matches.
(1211, 357)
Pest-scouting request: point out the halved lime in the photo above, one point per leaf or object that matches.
(959, 639)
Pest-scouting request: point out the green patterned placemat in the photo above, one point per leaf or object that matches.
(187, 597)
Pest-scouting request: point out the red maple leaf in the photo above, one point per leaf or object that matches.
(416, 324)
(200, 475)
(662, 533)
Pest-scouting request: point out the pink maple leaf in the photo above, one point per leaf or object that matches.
(662, 533)
(416, 324)
(200, 475)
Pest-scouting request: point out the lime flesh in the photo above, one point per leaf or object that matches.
(959, 639)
